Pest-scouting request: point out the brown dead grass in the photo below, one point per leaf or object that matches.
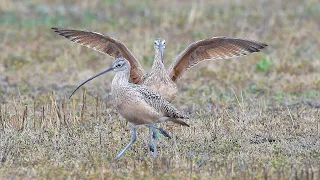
(245, 123)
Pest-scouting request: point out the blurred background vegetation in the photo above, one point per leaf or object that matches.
(33, 57)
(39, 68)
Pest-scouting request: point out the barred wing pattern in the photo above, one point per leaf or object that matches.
(156, 101)
(107, 45)
(211, 49)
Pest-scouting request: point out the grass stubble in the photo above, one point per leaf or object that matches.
(255, 117)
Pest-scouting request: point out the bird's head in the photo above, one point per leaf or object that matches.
(120, 64)
(160, 45)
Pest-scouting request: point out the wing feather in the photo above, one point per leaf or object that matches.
(156, 101)
(106, 45)
(211, 49)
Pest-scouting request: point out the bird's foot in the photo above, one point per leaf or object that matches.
(116, 160)
(151, 148)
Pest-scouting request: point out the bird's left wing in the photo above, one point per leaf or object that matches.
(211, 49)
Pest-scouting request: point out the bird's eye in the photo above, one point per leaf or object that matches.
(119, 65)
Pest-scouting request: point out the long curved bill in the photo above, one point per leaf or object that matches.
(161, 52)
(103, 72)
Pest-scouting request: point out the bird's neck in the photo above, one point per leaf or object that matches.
(158, 61)
(120, 79)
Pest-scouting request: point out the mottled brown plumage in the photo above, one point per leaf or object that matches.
(160, 79)
(157, 79)
(137, 103)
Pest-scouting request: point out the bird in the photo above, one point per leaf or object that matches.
(159, 78)
(139, 104)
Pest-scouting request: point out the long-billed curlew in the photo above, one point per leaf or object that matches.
(137, 103)
(159, 78)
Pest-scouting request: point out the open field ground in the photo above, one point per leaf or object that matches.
(252, 117)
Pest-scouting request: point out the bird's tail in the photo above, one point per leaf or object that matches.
(179, 122)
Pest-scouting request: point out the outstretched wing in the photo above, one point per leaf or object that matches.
(211, 49)
(107, 45)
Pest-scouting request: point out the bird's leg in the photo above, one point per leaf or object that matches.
(154, 133)
(162, 131)
(134, 138)
(150, 139)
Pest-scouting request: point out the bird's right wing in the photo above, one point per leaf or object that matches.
(107, 45)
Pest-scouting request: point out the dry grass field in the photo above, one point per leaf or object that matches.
(255, 117)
